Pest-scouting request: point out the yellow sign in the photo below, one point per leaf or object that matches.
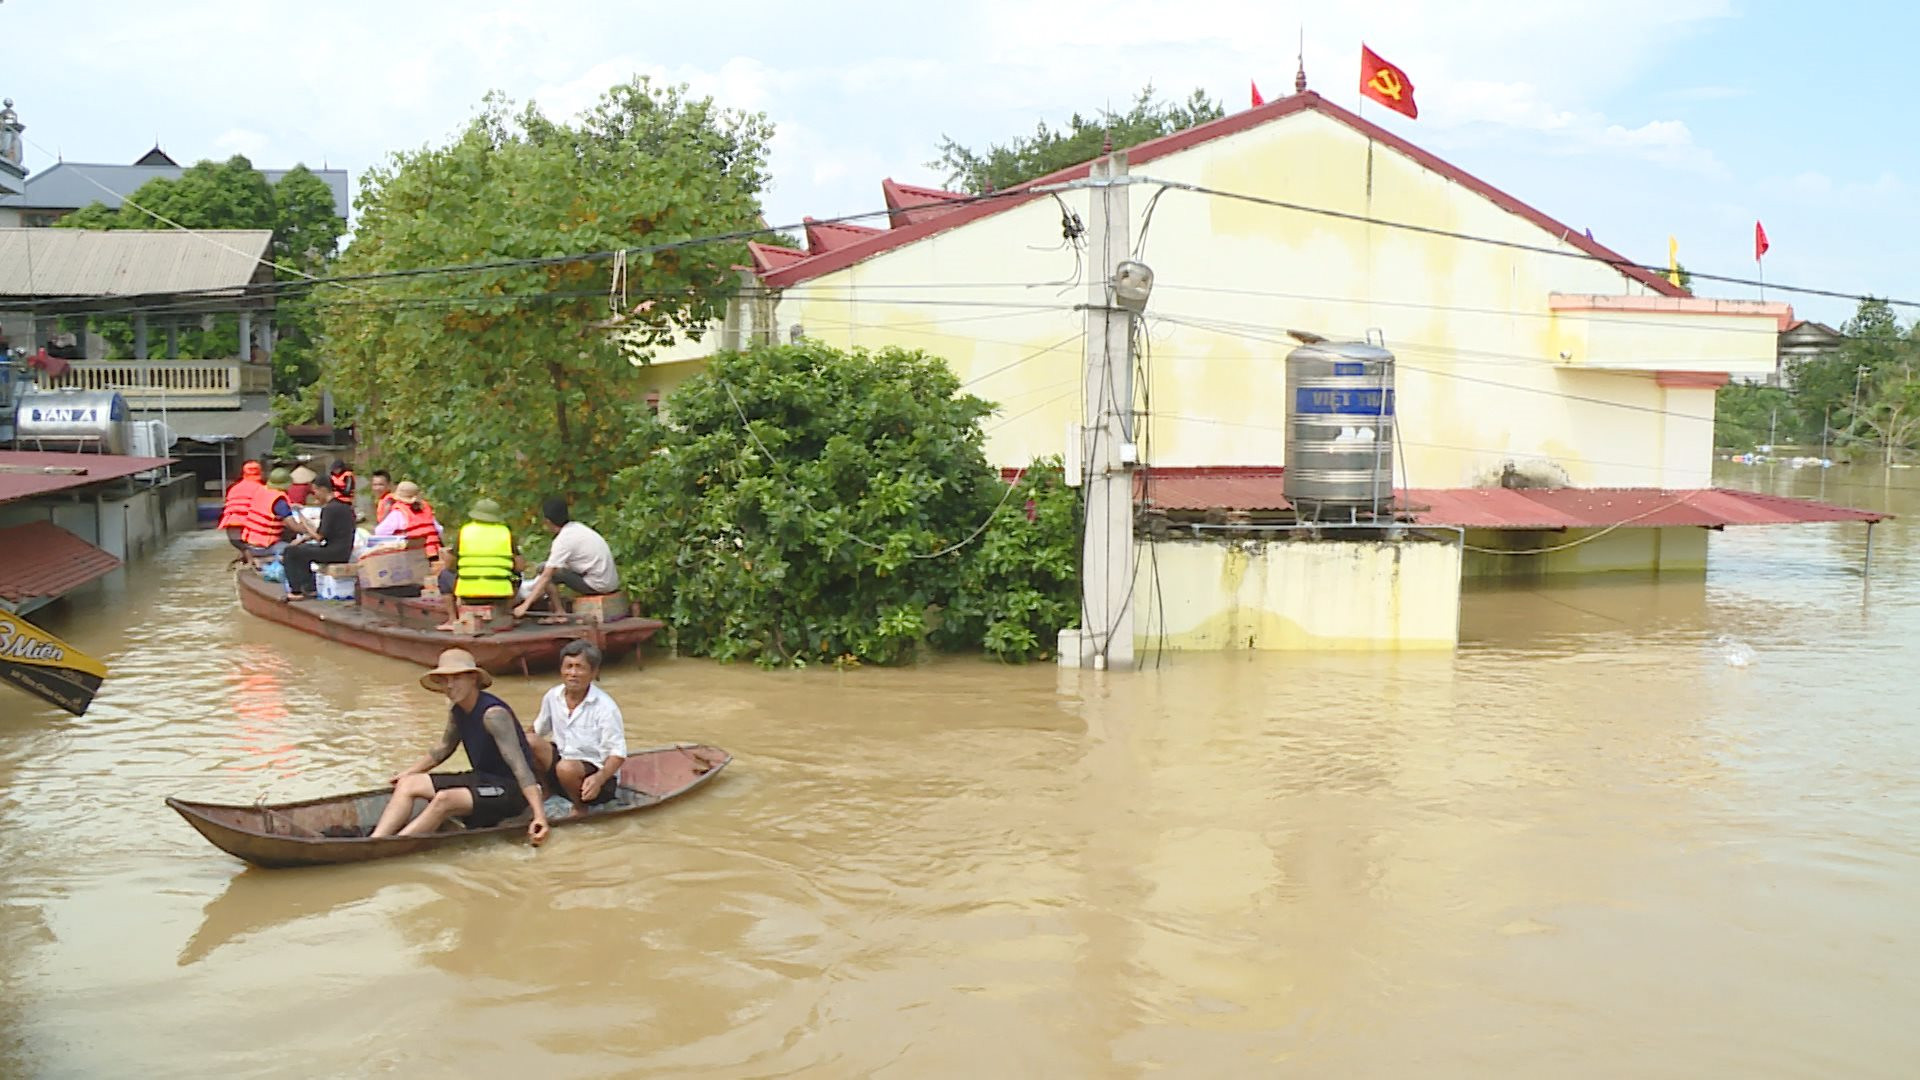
(1387, 81)
(42, 664)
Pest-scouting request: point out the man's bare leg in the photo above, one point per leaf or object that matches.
(453, 802)
(400, 807)
(572, 775)
(542, 760)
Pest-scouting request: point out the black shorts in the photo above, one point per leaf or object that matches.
(495, 798)
(606, 792)
(572, 580)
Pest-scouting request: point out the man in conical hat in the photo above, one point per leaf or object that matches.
(500, 783)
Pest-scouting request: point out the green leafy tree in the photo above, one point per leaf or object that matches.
(806, 505)
(1048, 149)
(1746, 415)
(506, 382)
(1837, 390)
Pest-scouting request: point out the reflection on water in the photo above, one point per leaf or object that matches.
(1586, 844)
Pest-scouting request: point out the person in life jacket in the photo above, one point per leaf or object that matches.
(380, 486)
(484, 561)
(233, 514)
(269, 516)
(410, 516)
(342, 479)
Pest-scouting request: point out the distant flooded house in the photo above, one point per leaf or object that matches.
(1554, 400)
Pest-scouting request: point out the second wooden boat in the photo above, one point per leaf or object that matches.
(404, 629)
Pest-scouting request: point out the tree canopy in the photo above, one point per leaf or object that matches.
(505, 380)
(1022, 158)
(807, 505)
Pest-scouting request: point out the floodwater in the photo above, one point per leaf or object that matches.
(1589, 843)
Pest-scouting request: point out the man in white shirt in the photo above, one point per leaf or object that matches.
(580, 739)
(579, 559)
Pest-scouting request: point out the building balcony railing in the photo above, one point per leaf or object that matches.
(168, 384)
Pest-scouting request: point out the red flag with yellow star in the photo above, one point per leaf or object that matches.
(1386, 84)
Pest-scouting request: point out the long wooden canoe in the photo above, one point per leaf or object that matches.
(404, 629)
(297, 833)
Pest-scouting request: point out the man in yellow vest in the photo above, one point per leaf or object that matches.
(482, 562)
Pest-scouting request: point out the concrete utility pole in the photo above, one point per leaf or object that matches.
(1105, 637)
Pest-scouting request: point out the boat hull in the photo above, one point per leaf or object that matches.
(282, 835)
(524, 649)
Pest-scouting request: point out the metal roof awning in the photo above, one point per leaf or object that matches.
(1586, 508)
(26, 473)
(43, 562)
(1262, 489)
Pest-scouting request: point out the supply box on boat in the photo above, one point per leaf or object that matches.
(333, 581)
(390, 566)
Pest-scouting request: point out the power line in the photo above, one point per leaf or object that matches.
(1516, 245)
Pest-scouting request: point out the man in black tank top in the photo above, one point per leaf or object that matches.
(501, 783)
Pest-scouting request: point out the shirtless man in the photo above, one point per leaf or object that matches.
(580, 738)
(502, 782)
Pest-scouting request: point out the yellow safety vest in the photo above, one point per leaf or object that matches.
(484, 561)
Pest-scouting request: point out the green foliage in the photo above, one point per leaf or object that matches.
(497, 382)
(1018, 586)
(1840, 389)
(1047, 150)
(803, 505)
(1746, 415)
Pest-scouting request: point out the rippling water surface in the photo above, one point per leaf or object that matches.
(1589, 843)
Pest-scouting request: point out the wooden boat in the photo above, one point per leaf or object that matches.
(296, 834)
(404, 628)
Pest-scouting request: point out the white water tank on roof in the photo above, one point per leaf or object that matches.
(93, 421)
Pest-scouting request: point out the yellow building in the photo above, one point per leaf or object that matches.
(1527, 354)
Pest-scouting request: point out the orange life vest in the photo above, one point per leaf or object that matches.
(384, 507)
(239, 501)
(263, 528)
(420, 526)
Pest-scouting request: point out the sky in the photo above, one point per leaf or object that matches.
(1637, 119)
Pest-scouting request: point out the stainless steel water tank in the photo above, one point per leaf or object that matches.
(1339, 429)
(91, 420)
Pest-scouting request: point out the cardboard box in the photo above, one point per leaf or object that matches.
(393, 568)
(334, 570)
(607, 607)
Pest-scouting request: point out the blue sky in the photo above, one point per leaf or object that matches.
(1635, 119)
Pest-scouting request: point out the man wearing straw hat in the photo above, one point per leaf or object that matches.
(501, 782)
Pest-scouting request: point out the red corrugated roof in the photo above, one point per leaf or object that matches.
(1232, 124)
(768, 257)
(825, 236)
(44, 560)
(1258, 488)
(908, 205)
(1247, 487)
(26, 473)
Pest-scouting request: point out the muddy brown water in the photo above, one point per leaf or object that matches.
(1586, 844)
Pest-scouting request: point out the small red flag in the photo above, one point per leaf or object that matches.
(1257, 99)
(1760, 244)
(1386, 84)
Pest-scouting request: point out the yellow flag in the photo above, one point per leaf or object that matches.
(1673, 260)
(42, 664)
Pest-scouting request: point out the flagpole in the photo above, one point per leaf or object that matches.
(1760, 268)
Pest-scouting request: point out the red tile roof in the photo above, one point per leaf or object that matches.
(44, 561)
(1231, 124)
(26, 473)
(909, 205)
(1261, 488)
(768, 257)
(824, 236)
